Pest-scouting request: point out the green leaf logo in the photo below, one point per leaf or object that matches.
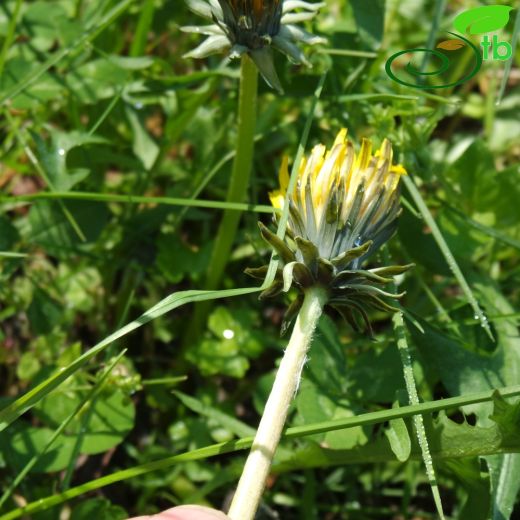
(482, 19)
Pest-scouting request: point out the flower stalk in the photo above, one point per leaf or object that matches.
(237, 189)
(256, 470)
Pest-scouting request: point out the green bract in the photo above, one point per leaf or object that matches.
(254, 27)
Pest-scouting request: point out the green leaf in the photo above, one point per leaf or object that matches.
(44, 313)
(109, 418)
(324, 386)
(473, 483)
(482, 19)
(420, 245)
(49, 229)
(8, 234)
(459, 366)
(233, 425)
(373, 377)
(504, 470)
(42, 22)
(30, 441)
(399, 439)
(33, 76)
(448, 255)
(447, 439)
(18, 68)
(176, 259)
(144, 147)
(54, 158)
(98, 508)
(370, 20)
(228, 352)
(28, 366)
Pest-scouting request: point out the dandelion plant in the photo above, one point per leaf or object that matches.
(343, 208)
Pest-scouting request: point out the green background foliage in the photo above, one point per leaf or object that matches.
(115, 159)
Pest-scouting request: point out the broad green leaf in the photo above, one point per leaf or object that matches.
(323, 393)
(92, 31)
(98, 508)
(373, 378)
(370, 20)
(448, 255)
(463, 370)
(420, 245)
(175, 259)
(30, 441)
(28, 366)
(43, 22)
(447, 439)
(54, 158)
(218, 357)
(473, 484)
(44, 313)
(97, 79)
(49, 229)
(483, 19)
(46, 89)
(231, 346)
(131, 63)
(109, 419)
(8, 234)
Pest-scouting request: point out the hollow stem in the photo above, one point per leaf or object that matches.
(256, 470)
(237, 189)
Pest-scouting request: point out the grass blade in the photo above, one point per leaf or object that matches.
(448, 255)
(89, 397)
(9, 37)
(509, 64)
(245, 443)
(87, 36)
(137, 199)
(12, 411)
(411, 388)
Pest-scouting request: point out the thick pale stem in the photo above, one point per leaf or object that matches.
(256, 470)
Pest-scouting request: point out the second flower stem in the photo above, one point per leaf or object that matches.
(237, 190)
(256, 470)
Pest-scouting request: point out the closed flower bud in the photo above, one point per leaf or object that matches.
(343, 208)
(254, 27)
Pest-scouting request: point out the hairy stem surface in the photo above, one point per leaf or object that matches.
(256, 470)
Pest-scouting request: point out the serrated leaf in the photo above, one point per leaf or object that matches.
(448, 440)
